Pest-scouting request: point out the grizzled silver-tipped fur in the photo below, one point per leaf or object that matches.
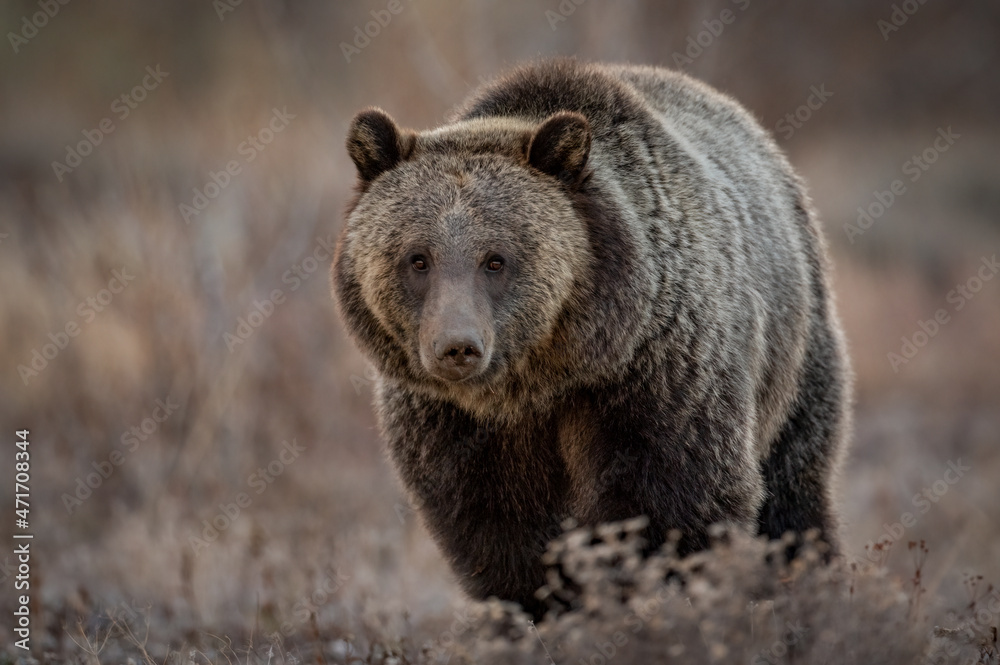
(599, 292)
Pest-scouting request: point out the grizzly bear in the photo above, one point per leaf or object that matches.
(599, 292)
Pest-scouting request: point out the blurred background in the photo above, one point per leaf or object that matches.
(172, 176)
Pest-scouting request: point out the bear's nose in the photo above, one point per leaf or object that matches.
(458, 356)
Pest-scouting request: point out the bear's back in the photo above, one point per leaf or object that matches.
(662, 133)
(616, 96)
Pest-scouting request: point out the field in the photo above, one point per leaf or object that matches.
(206, 481)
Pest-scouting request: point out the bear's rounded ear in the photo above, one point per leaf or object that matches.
(376, 144)
(560, 146)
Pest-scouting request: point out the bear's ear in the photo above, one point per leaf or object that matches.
(560, 146)
(376, 144)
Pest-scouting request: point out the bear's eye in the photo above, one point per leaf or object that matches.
(419, 263)
(495, 264)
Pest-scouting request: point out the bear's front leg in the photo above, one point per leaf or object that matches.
(491, 497)
(638, 450)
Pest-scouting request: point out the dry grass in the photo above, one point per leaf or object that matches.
(738, 602)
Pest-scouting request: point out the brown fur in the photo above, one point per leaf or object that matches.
(660, 339)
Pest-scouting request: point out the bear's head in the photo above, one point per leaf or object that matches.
(463, 250)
